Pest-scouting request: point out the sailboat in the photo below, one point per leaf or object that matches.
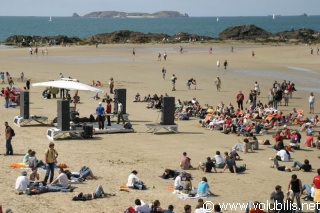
(50, 19)
(273, 16)
(217, 19)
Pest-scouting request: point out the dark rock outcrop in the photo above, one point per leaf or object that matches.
(303, 35)
(22, 40)
(75, 15)
(246, 32)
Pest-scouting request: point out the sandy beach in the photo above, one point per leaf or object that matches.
(113, 156)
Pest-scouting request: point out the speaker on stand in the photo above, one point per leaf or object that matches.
(63, 115)
(168, 109)
(24, 104)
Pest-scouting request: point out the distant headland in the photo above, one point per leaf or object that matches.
(117, 14)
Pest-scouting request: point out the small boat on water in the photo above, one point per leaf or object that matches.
(217, 19)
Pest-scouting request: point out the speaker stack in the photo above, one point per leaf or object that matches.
(24, 104)
(168, 108)
(120, 95)
(63, 115)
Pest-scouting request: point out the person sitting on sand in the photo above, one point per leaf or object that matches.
(203, 188)
(234, 154)
(218, 160)
(22, 182)
(233, 168)
(99, 84)
(141, 206)
(207, 166)
(135, 182)
(187, 186)
(137, 98)
(243, 146)
(178, 185)
(282, 155)
(155, 207)
(26, 157)
(62, 180)
(185, 162)
(33, 161)
(306, 167)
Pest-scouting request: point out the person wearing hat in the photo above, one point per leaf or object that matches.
(100, 115)
(50, 157)
(22, 182)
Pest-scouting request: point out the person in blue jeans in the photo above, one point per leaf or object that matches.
(233, 168)
(99, 193)
(50, 161)
(44, 189)
(306, 167)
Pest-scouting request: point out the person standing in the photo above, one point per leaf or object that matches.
(218, 83)
(120, 112)
(6, 95)
(100, 115)
(218, 64)
(311, 102)
(257, 88)
(50, 157)
(21, 76)
(225, 64)
(240, 98)
(232, 49)
(108, 111)
(28, 84)
(296, 186)
(164, 71)
(8, 135)
(173, 79)
(133, 52)
(181, 50)
(111, 85)
(159, 56)
(11, 82)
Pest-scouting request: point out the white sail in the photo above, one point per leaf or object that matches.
(50, 19)
(273, 16)
(217, 19)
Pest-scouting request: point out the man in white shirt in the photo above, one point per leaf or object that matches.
(22, 182)
(218, 160)
(134, 182)
(62, 180)
(141, 207)
(283, 155)
(178, 185)
(120, 112)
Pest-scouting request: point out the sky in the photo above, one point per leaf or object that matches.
(191, 7)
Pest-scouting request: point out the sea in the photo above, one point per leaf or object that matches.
(205, 26)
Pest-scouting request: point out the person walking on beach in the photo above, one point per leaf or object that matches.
(317, 50)
(8, 135)
(232, 49)
(21, 76)
(296, 187)
(173, 79)
(50, 157)
(111, 85)
(218, 64)
(164, 71)
(210, 50)
(225, 64)
(257, 88)
(312, 99)
(165, 56)
(218, 83)
(28, 84)
(30, 50)
(133, 52)
(6, 95)
(240, 98)
(253, 54)
(100, 115)
(120, 112)
(159, 57)
(181, 50)
(311, 51)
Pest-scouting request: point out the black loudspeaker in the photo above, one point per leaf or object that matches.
(121, 95)
(63, 115)
(168, 108)
(24, 104)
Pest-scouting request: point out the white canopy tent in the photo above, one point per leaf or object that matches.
(70, 85)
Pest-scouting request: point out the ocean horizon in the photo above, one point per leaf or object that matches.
(205, 26)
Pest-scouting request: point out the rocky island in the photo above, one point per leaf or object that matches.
(117, 14)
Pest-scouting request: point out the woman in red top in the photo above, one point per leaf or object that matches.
(108, 111)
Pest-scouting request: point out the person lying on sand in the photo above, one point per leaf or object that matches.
(32, 190)
(99, 193)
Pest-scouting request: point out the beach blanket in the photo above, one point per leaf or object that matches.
(18, 165)
(170, 188)
(187, 197)
(124, 188)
